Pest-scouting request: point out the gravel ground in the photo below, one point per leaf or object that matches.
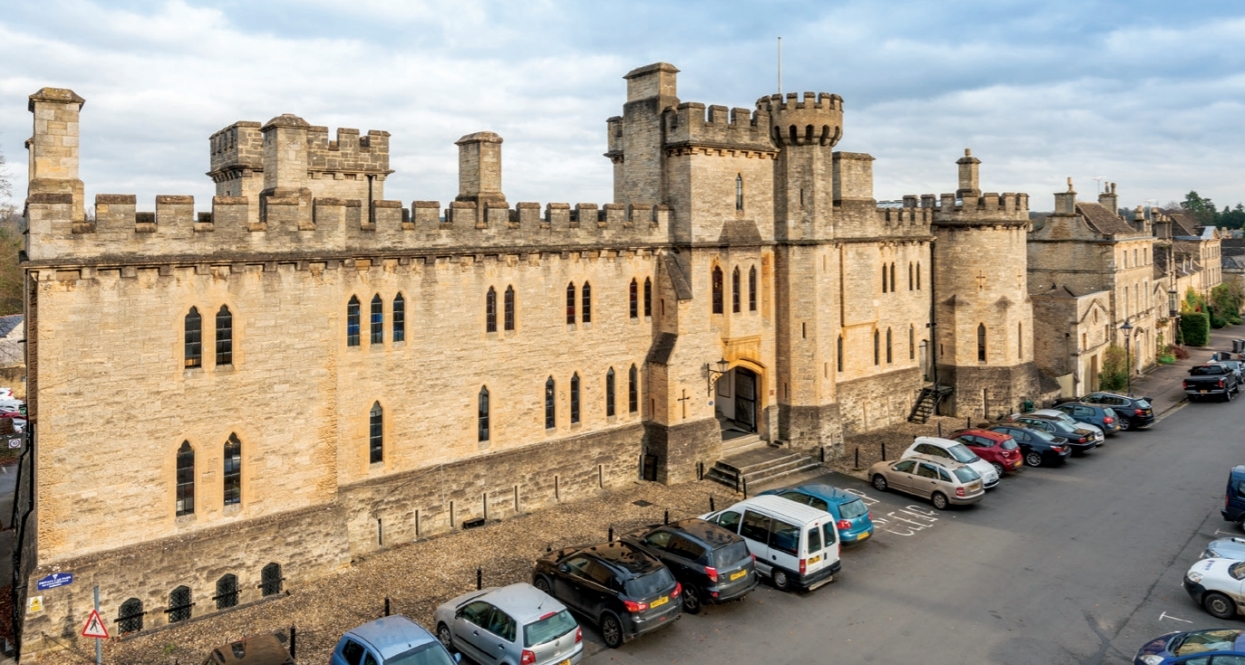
(415, 576)
(896, 439)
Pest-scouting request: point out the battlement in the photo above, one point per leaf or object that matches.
(335, 226)
(985, 210)
(813, 119)
(694, 124)
(239, 150)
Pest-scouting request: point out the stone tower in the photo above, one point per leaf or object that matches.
(982, 313)
(54, 146)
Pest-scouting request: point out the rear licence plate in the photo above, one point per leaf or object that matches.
(813, 560)
(1203, 391)
(974, 487)
(660, 601)
(565, 662)
(863, 536)
(737, 575)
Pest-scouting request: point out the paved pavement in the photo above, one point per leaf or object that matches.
(1163, 383)
(1079, 564)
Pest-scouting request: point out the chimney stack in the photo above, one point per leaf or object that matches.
(1065, 203)
(479, 169)
(969, 175)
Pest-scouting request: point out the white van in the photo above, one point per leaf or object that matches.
(794, 545)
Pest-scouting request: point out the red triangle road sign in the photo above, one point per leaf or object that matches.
(95, 627)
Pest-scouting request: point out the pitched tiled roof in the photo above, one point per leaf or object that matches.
(8, 323)
(1183, 223)
(1104, 221)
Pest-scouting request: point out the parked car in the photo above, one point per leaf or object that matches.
(943, 482)
(1211, 379)
(795, 546)
(1235, 365)
(1197, 647)
(1102, 417)
(954, 451)
(623, 591)
(1218, 585)
(263, 649)
(852, 518)
(1065, 417)
(1000, 450)
(515, 625)
(391, 640)
(1037, 446)
(1225, 548)
(713, 564)
(1234, 499)
(1134, 412)
(1080, 440)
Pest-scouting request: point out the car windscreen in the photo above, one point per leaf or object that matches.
(1202, 641)
(966, 475)
(729, 555)
(852, 509)
(1142, 404)
(1237, 570)
(1042, 435)
(962, 454)
(429, 654)
(548, 629)
(652, 584)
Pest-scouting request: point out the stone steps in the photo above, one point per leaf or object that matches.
(742, 444)
(757, 466)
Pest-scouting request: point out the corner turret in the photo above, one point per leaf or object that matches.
(809, 176)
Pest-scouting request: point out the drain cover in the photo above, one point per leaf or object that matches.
(641, 503)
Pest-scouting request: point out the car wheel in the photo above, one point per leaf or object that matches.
(691, 600)
(1124, 424)
(998, 468)
(781, 581)
(611, 631)
(541, 582)
(1219, 605)
(443, 634)
(940, 501)
(1033, 458)
(879, 483)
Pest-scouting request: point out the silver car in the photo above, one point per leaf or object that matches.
(943, 482)
(1225, 548)
(513, 625)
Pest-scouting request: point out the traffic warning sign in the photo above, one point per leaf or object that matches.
(95, 627)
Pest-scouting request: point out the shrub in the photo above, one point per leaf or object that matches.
(1167, 360)
(1195, 328)
(1179, 352)
(1114, 374)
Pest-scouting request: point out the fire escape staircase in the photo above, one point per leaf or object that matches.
(927, 403)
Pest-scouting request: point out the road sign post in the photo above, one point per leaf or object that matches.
(96, 629)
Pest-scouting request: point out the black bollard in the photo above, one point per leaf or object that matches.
(823, 454)
(666, 519)
(293, 642)
(737, 483)
(857, 457)
(968, 422)
(745, 488)
(611, 533)
(940, 429)
(711, 508)
(479, 579)
(386, 605)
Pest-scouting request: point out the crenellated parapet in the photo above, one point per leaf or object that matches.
(989, 209)
(330, 227)
(692, 125)
(811, 119)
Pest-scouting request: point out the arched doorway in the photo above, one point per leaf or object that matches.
(735, 402)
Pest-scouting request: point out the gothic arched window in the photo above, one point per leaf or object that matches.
(490, 310)
(570, 304)
(483, 414)
(233, 471)
(550, 420)
(378, 320)
(633, 390)
(739, 192)
(981, 342)
(194, 338)
(609, 393)
(633, 298)
(399, 318)
(575, 398)
(224, 336)
(185, 494)
(648, 297)
(889, 357)
(717, 290)
(376, 434)
(352, 322)
(508, 307)
(752, 289)
(735, 291)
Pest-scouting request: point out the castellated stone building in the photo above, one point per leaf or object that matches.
(306, 371)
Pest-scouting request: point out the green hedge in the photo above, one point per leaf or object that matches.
(1195, 328)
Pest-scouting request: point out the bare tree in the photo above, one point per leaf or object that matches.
(11, 276)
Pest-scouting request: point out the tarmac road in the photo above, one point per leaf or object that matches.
(1079, 564)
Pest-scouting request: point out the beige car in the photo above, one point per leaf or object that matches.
(943, 482)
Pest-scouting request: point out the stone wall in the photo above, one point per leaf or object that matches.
(879, 401)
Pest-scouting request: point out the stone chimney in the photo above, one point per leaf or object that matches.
(969, 175)
(285, 153)
(1065, 203)
(479, 169)
(54, 146)
(1109, 200)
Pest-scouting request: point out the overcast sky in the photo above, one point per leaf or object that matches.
(1146, 94)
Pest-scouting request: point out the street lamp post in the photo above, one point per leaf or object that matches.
(1127, 329)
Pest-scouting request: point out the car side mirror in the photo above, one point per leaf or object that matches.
(458, 658)
(563, 568)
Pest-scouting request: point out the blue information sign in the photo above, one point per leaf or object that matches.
(54, 580)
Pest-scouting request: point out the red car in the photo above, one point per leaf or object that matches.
(1000, 450)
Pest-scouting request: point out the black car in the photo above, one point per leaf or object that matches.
(622, 590)
(711, 563)
(1037, 446)
(1134, 412)
(1080, 440)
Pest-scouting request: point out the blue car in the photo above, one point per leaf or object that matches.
(1198, 647)
(1234, 500)
(852, 518)
(392, 640)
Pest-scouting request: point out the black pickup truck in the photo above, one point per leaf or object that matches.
(1211, 379)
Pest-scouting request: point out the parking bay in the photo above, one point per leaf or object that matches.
(1079, 564)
